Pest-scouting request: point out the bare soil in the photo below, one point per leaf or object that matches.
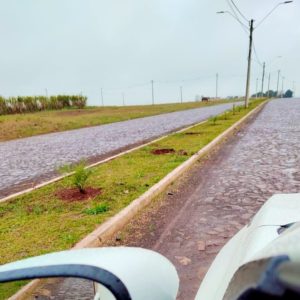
(193, 133)
(162, 151)
(77, 112)
(182, 152)
(73, 194)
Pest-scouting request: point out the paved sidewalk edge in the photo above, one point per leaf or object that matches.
(115, 223)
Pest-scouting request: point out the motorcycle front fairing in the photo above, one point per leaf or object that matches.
(272, 238)
(120, 273)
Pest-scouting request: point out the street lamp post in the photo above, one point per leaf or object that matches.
(263, 79)
(294, 89)
(217, 85)
(181, 98)
(282, 90)
(123, 98)
(251, 29)
(269, 80)
(278, 77)
(269, 64)
(152, 89)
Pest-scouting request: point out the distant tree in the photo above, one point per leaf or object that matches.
(271, 94)
(258, 95)
(288, 94)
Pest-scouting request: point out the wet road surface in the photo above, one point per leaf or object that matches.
(217, 197)
(36, 158)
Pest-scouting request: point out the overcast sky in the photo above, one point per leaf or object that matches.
(74, 46)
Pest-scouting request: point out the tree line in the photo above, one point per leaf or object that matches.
(274, 94)
(26, 104)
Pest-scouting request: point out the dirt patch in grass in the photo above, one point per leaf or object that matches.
(73, 194)
(162, 151)
(77, 112)
(182, 152)
(169, 151)
(193, 133)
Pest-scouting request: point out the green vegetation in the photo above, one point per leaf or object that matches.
(80, 177)
(26, 104)
(39, 222)
(213, 120)
(99, 209)
(275, 94)
(24, 125)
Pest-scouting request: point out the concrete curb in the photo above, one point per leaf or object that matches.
(38, 186)
(115, 223)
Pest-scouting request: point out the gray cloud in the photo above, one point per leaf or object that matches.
(73, 46)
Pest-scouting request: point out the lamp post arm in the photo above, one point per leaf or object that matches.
(271, 11)
(237, 19)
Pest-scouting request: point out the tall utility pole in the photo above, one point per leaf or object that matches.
(46, 90)
(294, 89)
(263, 79)
(269, 80)
(181, 98)
(152, 85)
(256, 89)
(282, 87)
(278, 77)
(249, 64)
(102, 101)
(123, 97)
(217, 84)
(235, 14)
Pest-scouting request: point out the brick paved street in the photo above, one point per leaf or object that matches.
(36, 158)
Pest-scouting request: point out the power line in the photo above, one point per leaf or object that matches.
(127, 87)
(236, 17)
(256, 55)
(268, 14)
(239, 11)
(185, 80)
(232, 9)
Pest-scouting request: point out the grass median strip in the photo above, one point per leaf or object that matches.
(25, 125)
(40, 222)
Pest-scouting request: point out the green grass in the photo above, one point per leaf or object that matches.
(99, 209)
(24, 125)
(39, 222)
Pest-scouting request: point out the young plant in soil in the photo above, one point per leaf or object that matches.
(213, 120)
(80, 191)
(225, 116)
(233, 109)
(81, 175)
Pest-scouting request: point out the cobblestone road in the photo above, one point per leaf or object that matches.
(30, 158)
(217, 198)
